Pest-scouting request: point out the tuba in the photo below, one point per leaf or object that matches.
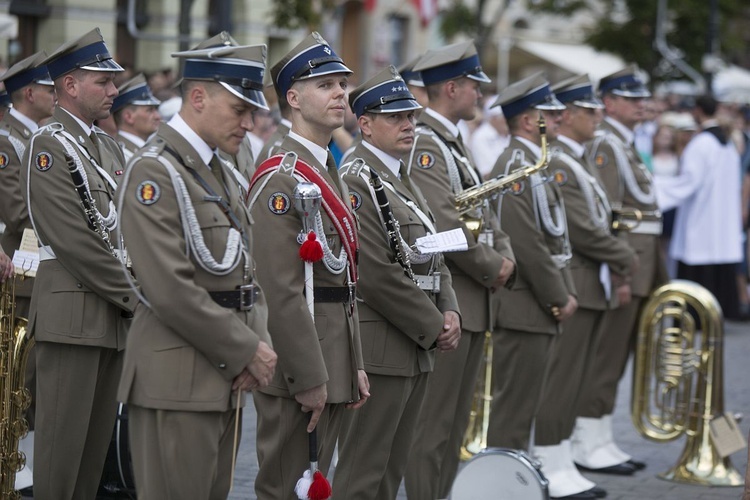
(15, 398)
(678, 380)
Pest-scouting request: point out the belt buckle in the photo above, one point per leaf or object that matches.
(436, 282)
(248, 293)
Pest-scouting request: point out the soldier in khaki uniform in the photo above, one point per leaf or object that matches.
(81, 300)
(629, 187)
(595, 251)
(529, 317)
(241, 164)
(441, 166)
(408, 310)
(320, 358)
(33, 96)
(203, 316)
(136, 114)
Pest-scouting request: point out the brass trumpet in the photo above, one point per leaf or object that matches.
(15, 398)
(678, 380)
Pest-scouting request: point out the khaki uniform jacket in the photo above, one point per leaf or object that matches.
(13, 211)
(540, 284)
(184, 350)
(128, 147)
(399, 322)
(328, 350)
(601, 153)
(271, 147)
(592, 245)
(78, 297)
(474, 270)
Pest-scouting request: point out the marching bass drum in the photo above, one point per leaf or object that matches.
(500, 474)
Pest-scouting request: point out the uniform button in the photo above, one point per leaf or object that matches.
(290, 380)
(421, 337)
(485, 277)
(330, 228)
(126, 299)
(410, 218)
(79, 285)
(216, 219)
(223, 366)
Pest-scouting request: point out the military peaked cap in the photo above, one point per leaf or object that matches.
(386, 92)
(449, 62)
(87, 52)
(531, 92)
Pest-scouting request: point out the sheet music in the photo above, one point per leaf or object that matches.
(26, 258)
(29, 243)
(444, 241)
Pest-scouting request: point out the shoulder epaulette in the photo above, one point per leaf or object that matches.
(154, 148)
(288, 163)
(353, 167)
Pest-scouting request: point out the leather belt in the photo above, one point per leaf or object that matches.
(653, 227)
(343, 294)
(428, 283)
(243, 298)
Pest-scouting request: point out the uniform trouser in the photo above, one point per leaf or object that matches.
(376, 440)
(519, 366)
(75, 417)
(571, 360)
(600, 389)
(282, 444)
(433, 462)
(181, 454)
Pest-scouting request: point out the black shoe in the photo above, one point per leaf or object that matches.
(598, 492)
(584, 495)
(637, 464)
(27, 492)
(623, 469)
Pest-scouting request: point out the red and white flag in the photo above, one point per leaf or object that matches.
(427, 10)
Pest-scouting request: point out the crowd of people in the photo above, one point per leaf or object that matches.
(197, 241)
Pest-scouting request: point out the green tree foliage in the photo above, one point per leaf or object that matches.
(686, 29)
(293, 14)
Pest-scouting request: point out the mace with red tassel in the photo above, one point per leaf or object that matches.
(313, 485)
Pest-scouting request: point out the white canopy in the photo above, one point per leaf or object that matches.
(576, 58)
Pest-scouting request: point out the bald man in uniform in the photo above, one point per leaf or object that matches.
(202, 318)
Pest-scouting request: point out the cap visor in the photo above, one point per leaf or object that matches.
(479, 76)
(637, 93)
(591, 103)
(327, 69)
(44, 82)
(254, 97)
(396, 106)
(551, 103)
(106, 65)
(153, 101)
